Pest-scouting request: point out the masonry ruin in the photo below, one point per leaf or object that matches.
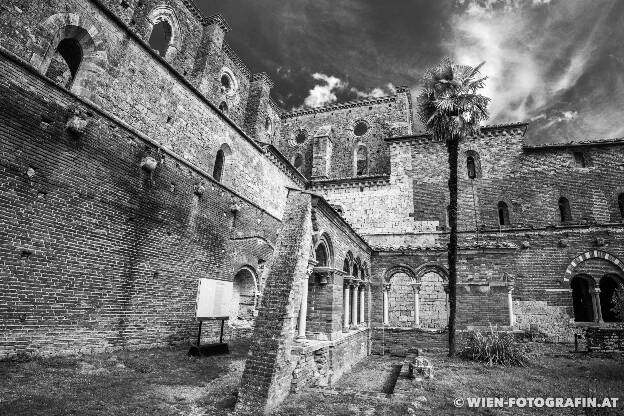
(139, 154)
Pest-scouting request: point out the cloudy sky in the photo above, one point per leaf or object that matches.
(556, 63)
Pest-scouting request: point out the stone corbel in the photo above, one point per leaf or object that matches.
(325, 274)
(311, 267)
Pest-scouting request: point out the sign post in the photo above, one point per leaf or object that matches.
(213, 304)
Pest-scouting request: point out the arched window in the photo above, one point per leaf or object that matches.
(218, 166)
(63, 65)
(564, 209)
(346, 267)
(361, 161)
(244, 289)
(226, 82)
(161, 37)
(503, 214)
(223, 107)
(268, 125)
(321, 255)
(301, 136)
(473, 164)
(582, 299)
(298, 162)
(621, 204)
(472, 169)
(609, 284)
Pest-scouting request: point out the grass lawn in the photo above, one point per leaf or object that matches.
(167, 382)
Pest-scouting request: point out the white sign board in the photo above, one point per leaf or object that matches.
(214, 298)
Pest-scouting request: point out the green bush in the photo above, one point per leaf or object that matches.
(494, 348)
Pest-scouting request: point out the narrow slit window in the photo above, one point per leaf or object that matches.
(564, 210)
(298, 163)
(361, 163)
(472, 170)
(503, 214)
(218, 167)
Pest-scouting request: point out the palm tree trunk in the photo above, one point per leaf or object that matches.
(452, 147)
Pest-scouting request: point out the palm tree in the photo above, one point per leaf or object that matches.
(451, 109)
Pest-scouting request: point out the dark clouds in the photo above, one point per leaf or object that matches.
(559, 63)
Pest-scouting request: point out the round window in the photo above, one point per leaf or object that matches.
(301, 136)
(360, 129)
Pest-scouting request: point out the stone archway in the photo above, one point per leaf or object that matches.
(582, 302)
(594, 277)
(244, 297)
(82, 49)
(609, 284)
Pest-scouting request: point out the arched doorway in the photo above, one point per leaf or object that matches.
(609, 284)
(582, 287)
(244, 292)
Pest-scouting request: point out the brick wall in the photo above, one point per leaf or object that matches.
(402, 341)
(269, 368)
(96, 255)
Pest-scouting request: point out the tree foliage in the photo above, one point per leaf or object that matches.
(449, 105)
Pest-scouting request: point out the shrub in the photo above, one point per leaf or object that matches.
(494, 348)
(618, 300)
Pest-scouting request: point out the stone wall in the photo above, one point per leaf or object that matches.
(384, 117)
(321, 364)
(605, 339)
(99, 254)
(125, 78)
(377, 206)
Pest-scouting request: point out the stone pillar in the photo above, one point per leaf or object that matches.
(595, 294)
(208, 53)
(416, 288)
(386, 289)
(257, 109)
(362, 290)
(512, 318)
(322, 147)
(303, 309)
(354, 305)
(346, 311)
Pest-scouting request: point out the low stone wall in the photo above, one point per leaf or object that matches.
(553, 322)
(605, 339)
(401, 341)
(322, 363)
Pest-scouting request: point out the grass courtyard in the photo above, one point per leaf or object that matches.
(167, 382)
